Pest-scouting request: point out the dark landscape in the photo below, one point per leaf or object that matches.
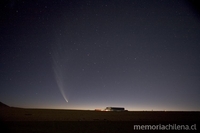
(58, 120)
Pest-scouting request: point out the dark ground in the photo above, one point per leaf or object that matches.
(63, 121)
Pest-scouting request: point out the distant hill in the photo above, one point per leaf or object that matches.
(2, 105)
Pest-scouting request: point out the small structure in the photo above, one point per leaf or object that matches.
(114, 109)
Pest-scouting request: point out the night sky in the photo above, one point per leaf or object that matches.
(137, 54)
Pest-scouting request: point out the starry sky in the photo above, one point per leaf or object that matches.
(87, 54)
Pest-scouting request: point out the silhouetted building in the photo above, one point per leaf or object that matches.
(114, 109)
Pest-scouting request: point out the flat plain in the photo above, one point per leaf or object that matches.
(55, 120)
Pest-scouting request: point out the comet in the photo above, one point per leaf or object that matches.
(59, 70)
(60, 82)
